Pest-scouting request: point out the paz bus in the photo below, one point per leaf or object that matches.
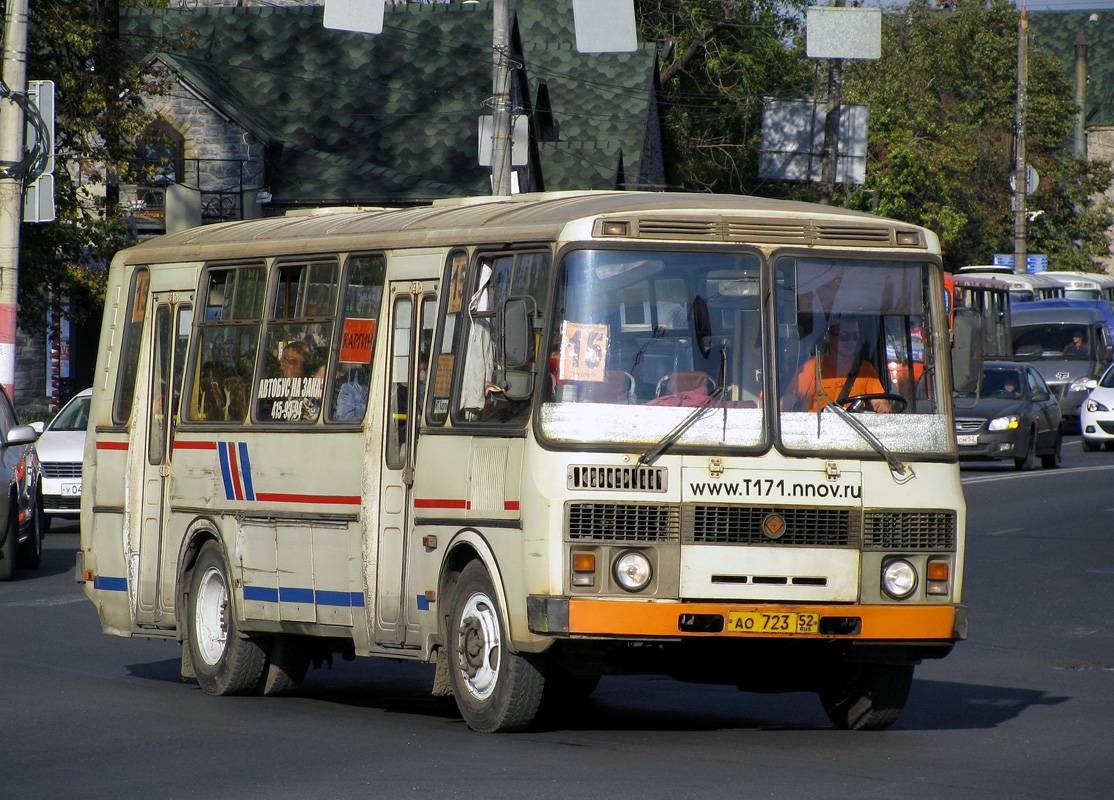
(989, 298)
(533, 440)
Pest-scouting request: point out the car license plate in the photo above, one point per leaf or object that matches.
(71, 490)
(771, 622)
(967, 438)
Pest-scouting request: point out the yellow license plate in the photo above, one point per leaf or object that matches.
(771, 622)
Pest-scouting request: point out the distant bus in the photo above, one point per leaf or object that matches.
(533, 440)
(1023, 287)
(990, 299)
(1084, 285)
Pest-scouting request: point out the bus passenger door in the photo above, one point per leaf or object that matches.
(173, 319)
(413, 310)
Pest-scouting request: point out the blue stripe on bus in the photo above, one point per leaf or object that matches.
(106, 584)
(264, 594)
(288, 594)
(226, 472)
(245, 470)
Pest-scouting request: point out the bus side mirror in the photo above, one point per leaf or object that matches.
(516, 332)
(967, 341)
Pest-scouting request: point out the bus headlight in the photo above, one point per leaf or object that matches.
(899, 578)
(632, 571)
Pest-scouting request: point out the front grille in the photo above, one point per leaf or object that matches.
(621, 522)
(639, 479)
(909, 530)
(1107, 427)
(61, 469)
(969, 425)
(57, 501)
(804, 527)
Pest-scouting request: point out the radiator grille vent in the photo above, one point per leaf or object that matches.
(635, 479)
(61, 469)
(679, 229)
(622, 522)
(909, 530)
(804, 527)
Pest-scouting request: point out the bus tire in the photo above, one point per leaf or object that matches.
(225, 662)
(285, 668)
(866, 697)
(496, 690)
(11, 544)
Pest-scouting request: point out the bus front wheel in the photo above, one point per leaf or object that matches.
(224, 661)
(866, 697)
(496, 690)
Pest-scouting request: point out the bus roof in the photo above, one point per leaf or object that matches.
(526, 217)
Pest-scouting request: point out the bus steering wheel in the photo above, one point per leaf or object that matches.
(859, 402)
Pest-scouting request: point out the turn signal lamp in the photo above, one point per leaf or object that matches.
(938, 573)
(613, 228)
(583, 569)
(1010, 423)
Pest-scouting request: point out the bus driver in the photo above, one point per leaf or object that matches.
(844, 372)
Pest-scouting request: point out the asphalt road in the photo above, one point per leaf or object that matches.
(1023, 709)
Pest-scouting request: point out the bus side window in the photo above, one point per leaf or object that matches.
(228, 338)
(351, 358)
(298, 338)
(479, 397)
(447, 346)
(136, 311)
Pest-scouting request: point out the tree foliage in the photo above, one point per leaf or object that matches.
(942, 122)
(99, 92)
(720, 58)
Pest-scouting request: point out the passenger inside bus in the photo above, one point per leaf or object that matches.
(844, 372)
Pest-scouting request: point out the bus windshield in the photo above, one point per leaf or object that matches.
(677, 332)
(857, 334)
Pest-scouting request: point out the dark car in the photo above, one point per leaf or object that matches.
(1014, 416)
(21, 526)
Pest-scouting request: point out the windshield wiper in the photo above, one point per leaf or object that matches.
(901, 472)
(670, 439)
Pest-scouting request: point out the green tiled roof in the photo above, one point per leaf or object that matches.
(1057, 31)
(393, 118)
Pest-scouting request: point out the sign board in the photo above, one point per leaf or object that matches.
(358, 16)
(1033, 263)
(604, 26)
(1032, 180)
(843, 32)
(793, 141)
(520, 140)
(38, 199)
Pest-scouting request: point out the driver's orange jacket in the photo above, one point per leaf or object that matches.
(802, 387)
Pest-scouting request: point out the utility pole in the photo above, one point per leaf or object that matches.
(1020, 186)
(11, 185)
(830, 153)
(501, 108)
(1080, 139)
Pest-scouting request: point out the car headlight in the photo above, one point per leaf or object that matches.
(1009, 423)
(1079, 385)
(899, 578)
(1095, 405)
(632, 570)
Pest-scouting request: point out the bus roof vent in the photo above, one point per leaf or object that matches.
(768, 231)
(679, 228)
(863, 236)
(628, 479)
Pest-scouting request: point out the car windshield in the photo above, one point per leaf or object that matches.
(74, 417)
(1051, 342)
(1107, 379)
(1004, 384)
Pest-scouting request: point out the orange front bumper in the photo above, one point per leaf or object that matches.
(590, 617)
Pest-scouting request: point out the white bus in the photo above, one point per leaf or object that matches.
(534, 440)
(1084, 285)
(1024, 287)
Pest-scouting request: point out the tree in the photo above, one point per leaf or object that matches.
(720, 58)
(100, 111)
(942, 116)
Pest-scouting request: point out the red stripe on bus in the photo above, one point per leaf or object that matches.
(239, 490)
(441, 504)
(187, 445)
(307, 498)
(510, 505)
(112, 445)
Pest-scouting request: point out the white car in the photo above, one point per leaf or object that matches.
(61, 450)
(1096, 417)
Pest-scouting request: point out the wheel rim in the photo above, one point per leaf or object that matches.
(209, 615)
(477, 646)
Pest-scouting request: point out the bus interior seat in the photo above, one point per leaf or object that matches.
(678, 382)
(616, 387)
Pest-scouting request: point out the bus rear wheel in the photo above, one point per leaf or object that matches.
(496, 690)
(225, 662)
(866, 697)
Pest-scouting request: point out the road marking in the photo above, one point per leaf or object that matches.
(46, 601)
(1102, 571)
(1005, 476)
(1005, 530)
